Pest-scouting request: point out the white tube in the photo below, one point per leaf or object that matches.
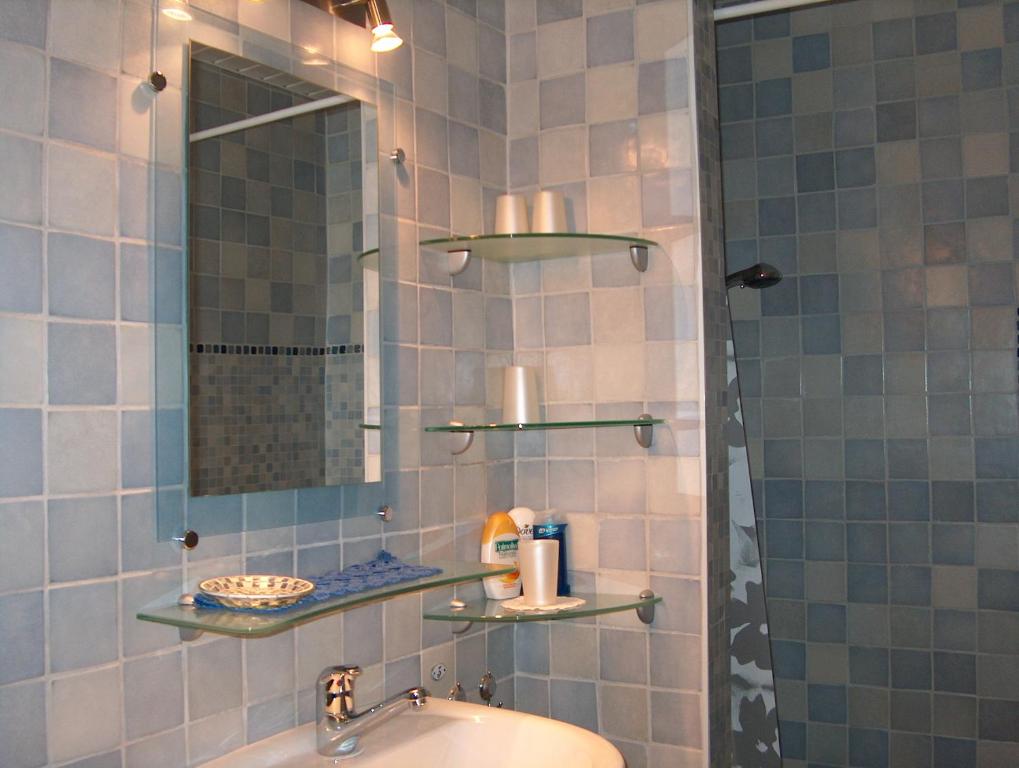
(270, 117)
(761, 6)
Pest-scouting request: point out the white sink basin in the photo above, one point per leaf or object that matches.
(443, 733)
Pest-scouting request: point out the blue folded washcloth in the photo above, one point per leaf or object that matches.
(384, 570)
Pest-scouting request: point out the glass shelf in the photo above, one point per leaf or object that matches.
(540, 425)
(261, 624)
(492, 610)
(462, 435)
(533, 246)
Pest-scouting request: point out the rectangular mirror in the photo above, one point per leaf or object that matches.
(283, 281)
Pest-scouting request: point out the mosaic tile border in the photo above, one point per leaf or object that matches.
(253, 349)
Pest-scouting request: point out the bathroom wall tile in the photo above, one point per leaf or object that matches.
(81, 187)
(610, 38)
(214, 679)
(22, 199)
(86, 730)
(676, 718)
(22, 461)
(662, 86)
(24, 21)
(81, 277)
(25, 655)
(23, 723)
(562, 101)
(23, 80)
(574, 702)
(69, 521)
(82, 364)
(77, 464)
(82, 106)
(101, 48)
(83, 626)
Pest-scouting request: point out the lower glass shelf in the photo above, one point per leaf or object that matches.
(263, 623)
(595, 605)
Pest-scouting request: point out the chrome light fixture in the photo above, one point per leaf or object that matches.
(177, 10)
(380, 20)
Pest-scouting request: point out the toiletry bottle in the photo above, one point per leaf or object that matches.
(524, 518)
(499, 544)
(550, 529)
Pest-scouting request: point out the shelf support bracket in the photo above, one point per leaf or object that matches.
(644, 433)
(646, 613)
(459, 261)
(639, 257)
(187, 635)
(459, 442)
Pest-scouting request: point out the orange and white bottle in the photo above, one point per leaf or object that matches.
(500, 543)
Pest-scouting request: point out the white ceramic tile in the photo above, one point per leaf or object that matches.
(101, 46)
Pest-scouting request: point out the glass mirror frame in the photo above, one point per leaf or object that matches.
(167, 231)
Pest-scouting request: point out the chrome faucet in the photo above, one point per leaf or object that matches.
(339, 724)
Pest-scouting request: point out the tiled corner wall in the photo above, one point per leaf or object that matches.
(867, 154)
(600, 108)
(82, 682)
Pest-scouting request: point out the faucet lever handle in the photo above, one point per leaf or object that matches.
(336, 691)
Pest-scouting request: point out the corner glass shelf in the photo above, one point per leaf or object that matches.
(193, 621)
(597, 604)
(463, 434)
(534, 246)
(540, 425)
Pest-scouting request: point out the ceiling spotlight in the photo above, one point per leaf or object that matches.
(380, 21)
(176, 9)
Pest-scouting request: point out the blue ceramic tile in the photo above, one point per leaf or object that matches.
(789, 659)
(815, 172)
(774, 97)
(855, 167)
(816, 212)
(785, 579)
(72, 521)
(82, 105)
(783, 498)
(774, 137)
(769, 26)
(23, 727)
(785, 539)
(776, 216)
(981, 69)
(826, 623)
(911, 670)
(736, 102)
(20, 452)
(559, 10)
(999, 721)
(81, 282)
(955, 672)
(734, 65)
(908, 500)
(822, 335)
(957, 753)
(987, 197)
(23, 655)
(998, 590)
(824, 499)
(610, 38)
(950, 415)
(1011, 20)
(896, 121)
(865, 460)
(825, 541)
(868, 746)
(997, 457)
(574, 702)
(857, 209)
(995, 501)
(863, 375)
(826, 703)
(730, 33)
(24, 21)
(811, 52)
(893, 39)
(867, 583)
(939, 116)
(868, 666)
(853, 87)
(936, 33)
(910, 585)
(775, 178)
(737, 141)
(83, 626)
(866, 542)
(82, 364)
(955, 630)
(907, 459)
(854, 127)
(661, 87)
(21, 264)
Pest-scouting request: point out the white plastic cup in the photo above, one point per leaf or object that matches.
(519, 395)
(549, 213)
(510, 215)
(539, 570)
